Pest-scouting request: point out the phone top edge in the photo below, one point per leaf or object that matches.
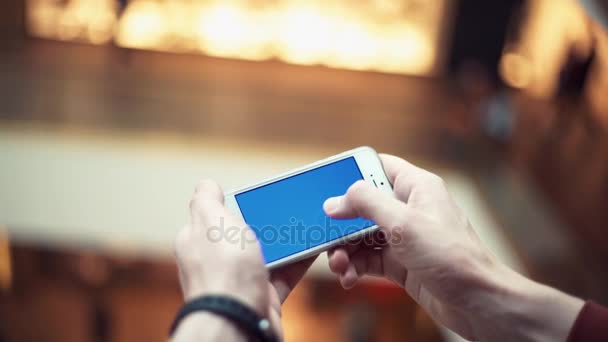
(301, 169)
(365, 148)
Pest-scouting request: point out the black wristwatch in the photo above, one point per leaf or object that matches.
(231, 309)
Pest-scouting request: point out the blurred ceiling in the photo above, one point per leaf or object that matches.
(382, 35)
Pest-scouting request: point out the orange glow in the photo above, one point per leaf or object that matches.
(516, 70)
(142, 25)
(90, 21)
(5, 259)
(553, 30)
(225, 30)
(376, 35)
(305, 38)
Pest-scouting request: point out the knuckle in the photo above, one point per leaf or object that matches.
(435, 180)
(402, 190)
(399, 180)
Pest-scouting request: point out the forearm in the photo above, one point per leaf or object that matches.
(207, 327)
(517, 308)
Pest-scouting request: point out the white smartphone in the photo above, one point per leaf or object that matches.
(286, 212)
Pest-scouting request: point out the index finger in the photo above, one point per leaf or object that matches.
(394, 166)
(403, 175)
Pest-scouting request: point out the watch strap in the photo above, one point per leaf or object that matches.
(231, 309)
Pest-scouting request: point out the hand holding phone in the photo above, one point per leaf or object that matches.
(286, 212)
(211, 266)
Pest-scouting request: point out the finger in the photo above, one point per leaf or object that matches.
(405, 177)
(274, 312)
(364, 200)
(207, 204)
(294, 272)
(338, 256)
(182, 279)
(364, 262)
(274, 301)
(349, 278)
(275, 321)
(338, 260)
(393, 166)
(286, 278)
(210, 190)
(400, 174)
(368, 262)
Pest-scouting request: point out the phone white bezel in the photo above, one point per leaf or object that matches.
(371, 168)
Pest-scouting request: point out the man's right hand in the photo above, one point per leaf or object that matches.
(433, 252)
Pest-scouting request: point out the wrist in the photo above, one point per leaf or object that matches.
(514, 307)
(249, 285)
(251, 295)
(216, 328)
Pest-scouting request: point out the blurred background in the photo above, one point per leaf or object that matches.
(111, 110)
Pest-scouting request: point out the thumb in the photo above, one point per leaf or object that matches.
(364, 200)
(207, 203)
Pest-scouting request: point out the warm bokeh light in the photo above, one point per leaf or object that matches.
(552, 31)
(5, 259)
(142, 25)
(516, 70)
(90, 21)
(225, 30)
(371, 35)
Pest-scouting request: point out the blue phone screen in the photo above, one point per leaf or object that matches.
(287, 216)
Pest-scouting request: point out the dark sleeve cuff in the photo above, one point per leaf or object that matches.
(591, 324)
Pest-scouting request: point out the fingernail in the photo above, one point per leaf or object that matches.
(331, 205)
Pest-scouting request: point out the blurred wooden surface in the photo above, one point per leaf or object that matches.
(84, 85)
